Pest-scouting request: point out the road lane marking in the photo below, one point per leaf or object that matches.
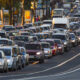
(61, 64)
(57, 75)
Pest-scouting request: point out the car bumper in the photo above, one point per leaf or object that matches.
(33, 57)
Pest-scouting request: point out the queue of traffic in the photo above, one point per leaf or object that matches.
(36, 42)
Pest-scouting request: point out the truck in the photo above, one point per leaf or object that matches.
(60, 23)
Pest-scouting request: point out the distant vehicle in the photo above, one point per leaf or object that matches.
(3, 34)
(61, 23)
(49, 22)
(25, 33)
(35, 52)
(45, 27)
(28, 25)
(3, 62)
(8, 28)
(58, 12)
(21, 38)
(47, 49)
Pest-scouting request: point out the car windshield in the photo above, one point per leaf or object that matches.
(40, 36)
(45, 46)
(3, 35)
(57, 41)
(3, 42)
(51, 42)
(7, 52)
(72, 35)
(0, 55)
(47, 22)
(25, 34)
(21, 38)
(64, 26)
(33, 47)
(62, 37)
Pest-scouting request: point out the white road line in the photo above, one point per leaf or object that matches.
(57, 75)
(61, 64)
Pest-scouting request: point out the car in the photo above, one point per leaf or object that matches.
(44, 28)
(11, 56)
(47, 49)
(28, 25)
(21, 38)
(4, 41)
(47, 22)
(3, 34)
(73, 39)
(8, 28)
(24, 54)
(60, 46)
(33, 29)
(35, 51)
(25, 33)
(3, 62)
(53, 46)
(65, 39)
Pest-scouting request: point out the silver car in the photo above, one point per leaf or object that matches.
(3, 62)
(11, 57)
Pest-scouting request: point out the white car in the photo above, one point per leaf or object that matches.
(3, 62)
(11, 56)
(47, 49)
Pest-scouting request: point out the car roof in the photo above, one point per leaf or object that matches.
(6, 47)
(4, 39)
(59, 34)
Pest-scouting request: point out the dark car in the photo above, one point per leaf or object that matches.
(21, 38)
(35, 51)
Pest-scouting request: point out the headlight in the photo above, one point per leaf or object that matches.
(8, 61)
(1, 63)
(65, 43)
(38, 53)
(59, 47)
(46, 51)
(73, 40)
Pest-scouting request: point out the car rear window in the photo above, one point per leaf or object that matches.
(33, 47)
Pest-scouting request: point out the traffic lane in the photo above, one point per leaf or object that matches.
(58, 70)
(70, 75)
(39, 67)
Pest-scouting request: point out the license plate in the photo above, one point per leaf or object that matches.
(31, 56)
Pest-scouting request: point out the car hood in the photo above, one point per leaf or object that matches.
(29, 51)
(46, 49)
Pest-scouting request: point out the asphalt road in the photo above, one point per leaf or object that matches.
(60, 67)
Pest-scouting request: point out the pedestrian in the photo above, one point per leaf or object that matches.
(37, 19)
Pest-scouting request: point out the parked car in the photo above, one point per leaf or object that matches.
(35, 51)
(3, 62)
(47, 49)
